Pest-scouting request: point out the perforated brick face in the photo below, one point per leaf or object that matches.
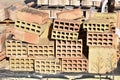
(66, 48)
(16, 48)
(47, 66)
(100, 39)
(74, 65)
(66, 25)
(97, 27)
(21, 64)
(29, 27)
(61, 35)
(41, 51)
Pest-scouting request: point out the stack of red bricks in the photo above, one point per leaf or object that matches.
(68, 47)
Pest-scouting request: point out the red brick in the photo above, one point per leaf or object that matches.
(32, 16)
(24, 36)
(70, 14)
(2, 55)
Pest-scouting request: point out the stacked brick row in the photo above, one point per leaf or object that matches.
(68, 48)
(100, 33)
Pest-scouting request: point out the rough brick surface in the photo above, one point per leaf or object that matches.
(2, 55)
(61, 35)
(47, 66)
(32, 16)
(26, 36)
(16, 48)
(74, 65)
(66, 25)
(70, 14)
(41, 51)
(69, 49)
(100, 39)
(21, 64)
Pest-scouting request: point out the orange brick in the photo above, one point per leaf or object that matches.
(2, 55)
(32, 16)
(26, 36)
(70, 14)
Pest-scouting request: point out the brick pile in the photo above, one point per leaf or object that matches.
(68, 48)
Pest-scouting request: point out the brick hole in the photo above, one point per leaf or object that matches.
(77, 25)
(18, 21)
(76, 29)
(22, 27)
(70, 65)
(110, 35)
(103, 25)
(98, 25)
(38, 31)
(95, 39)
(40, 54)
(28, 24)
(90, 35)
(46, 51)
(51, 54)
(27, 28)
(79, 55)
(110, 40)
(67, 34)
(74, 51)
(63, 46)
(64, 55)
(107, 25)
(71, 24)
(50, 51)
(105, 35)
(74, 47)
(39, 27)
(66, 28)
(63, 50)
(17, 25)
(98, 29)
(79, 51)
(89, 24)
(80, 61)
(110, 43)
(94, 28)
(102, 29)
(71, 29)
(90, 29)
(40, 51)
(61, 27)
(55, 32)
(45, 47)
(62, 23)
(56, 22)
(54, 36)
(74, 55)
(100, 35)
(36, 51)
(80, 69)
(85, 24)
(90, 43)
(56, 27)
(58, 50)
(62, 37)
(68, 50)
(90, 39)
(23, 22)
(94, 25)
(67, 24)
(105, 39)
(69, 55)
(74, 42)
(33, 30)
